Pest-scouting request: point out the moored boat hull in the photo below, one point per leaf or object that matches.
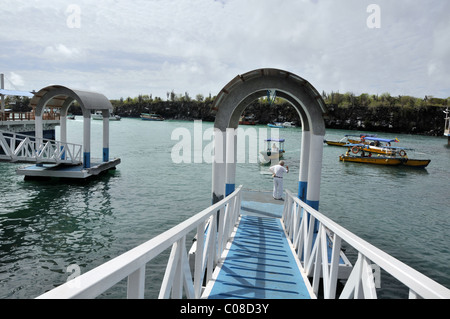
(416, 163)
(271, 155)
(389, 161)
(371, 160)
(334, 143)
(151, 117)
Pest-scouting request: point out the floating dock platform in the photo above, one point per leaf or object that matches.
(39, 171)
(59, 159)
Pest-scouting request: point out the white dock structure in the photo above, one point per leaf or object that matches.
(19, 148)
(447, 125)
(23, 122)
(60, 159)
(250, 246)
(318, 269)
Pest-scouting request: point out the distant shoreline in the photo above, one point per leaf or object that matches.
(424, 120)
(378, 113)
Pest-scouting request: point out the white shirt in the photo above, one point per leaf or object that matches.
(278, 170)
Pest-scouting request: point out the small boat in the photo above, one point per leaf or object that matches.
(368, 143)
(247, 120)
(274, 150)
(289, 124)
(276, 125)
(398, 157)
(347, 139)
(378, 160)
(151, 117)
(416, 162)
(99, 116)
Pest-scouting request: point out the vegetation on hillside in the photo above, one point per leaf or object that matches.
(400, 114)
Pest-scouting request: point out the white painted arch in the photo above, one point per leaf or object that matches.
(62, 97)
(239, 93)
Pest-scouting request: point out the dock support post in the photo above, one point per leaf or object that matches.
(38, 129)
(63, 132)
(219, 166)
(87, 139)
(105, 135)
(304, 164)
(39, 133)
(231, 158)
(63, 124)
(315, 171)
(314, 174)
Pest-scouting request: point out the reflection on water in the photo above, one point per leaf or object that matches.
(52, 226)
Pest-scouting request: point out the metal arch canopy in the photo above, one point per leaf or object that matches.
(245, 88)
(61, 97)
(57, 96)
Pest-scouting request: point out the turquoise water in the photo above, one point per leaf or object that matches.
(45, 227)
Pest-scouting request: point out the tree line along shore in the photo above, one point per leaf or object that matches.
(383, 113)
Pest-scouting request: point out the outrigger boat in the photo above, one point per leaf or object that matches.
(374, 145)
(378, 160)
(347, 139)
(386, 160)
(369, 143)
(396, 157)
(274, 150)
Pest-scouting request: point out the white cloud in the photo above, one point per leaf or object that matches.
(16, 79)
(61, 52)
(132, 47)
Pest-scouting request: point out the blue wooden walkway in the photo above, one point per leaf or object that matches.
(260, 263)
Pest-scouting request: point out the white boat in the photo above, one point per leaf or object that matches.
(276, 125)
(289, 124)
(151, 117)
(99, 116)
(274, 150)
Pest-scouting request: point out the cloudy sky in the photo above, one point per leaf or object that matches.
(126, 48)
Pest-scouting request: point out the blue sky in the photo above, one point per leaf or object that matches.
(126, 48)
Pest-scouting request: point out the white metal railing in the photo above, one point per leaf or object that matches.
(311, 233)
(179, 280)
(16, 147)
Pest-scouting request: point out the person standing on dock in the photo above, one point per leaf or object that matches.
(277, 174)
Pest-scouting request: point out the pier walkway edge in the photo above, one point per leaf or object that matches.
(211, 247)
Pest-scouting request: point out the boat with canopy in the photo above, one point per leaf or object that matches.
(384, 155)
(274, 150)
